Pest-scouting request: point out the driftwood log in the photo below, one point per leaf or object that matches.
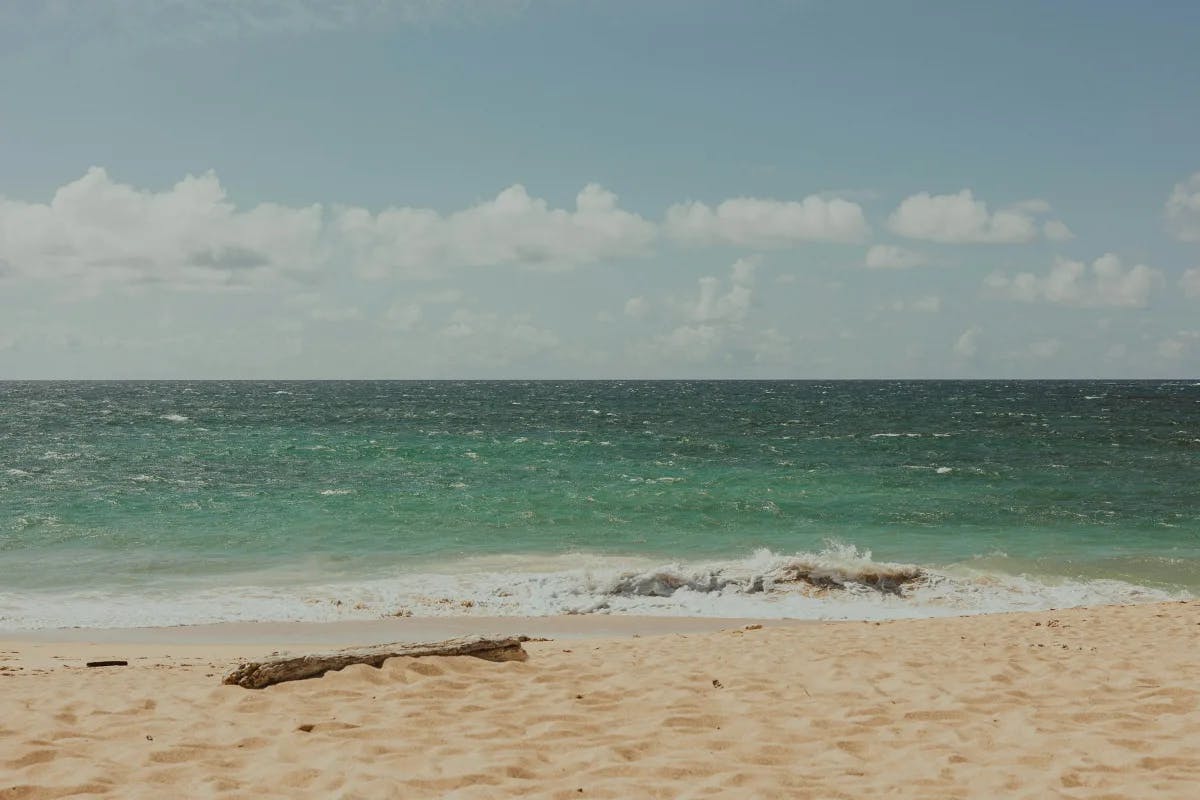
(260, 674)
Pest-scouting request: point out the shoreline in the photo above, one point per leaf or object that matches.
(346, 633)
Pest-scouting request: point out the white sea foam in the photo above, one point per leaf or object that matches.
(336, 492)
(174, 417)
(839, 582)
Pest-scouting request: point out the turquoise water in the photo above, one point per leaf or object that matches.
(141, 503)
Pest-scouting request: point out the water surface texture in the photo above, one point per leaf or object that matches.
(173, 502)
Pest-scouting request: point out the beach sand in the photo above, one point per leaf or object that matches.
(1094, 702)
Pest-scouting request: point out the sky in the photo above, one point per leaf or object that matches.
(425, 189)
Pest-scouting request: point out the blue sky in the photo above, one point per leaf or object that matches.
(417, 188)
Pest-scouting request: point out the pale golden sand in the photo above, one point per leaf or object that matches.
(1101, 702)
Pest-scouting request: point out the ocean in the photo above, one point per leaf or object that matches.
(164, 503)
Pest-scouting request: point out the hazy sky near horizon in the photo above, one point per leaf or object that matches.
(599, 188)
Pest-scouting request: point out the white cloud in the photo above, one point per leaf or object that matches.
(514, 228)
(960, 218)
(1106, 283)
(716, 312)
(97, 230)
(889, 256)
(967, 344)
(714, 307)
(1183, 210)
(1189, 282)
(767, 224)
(1057, 231)
(637, 307)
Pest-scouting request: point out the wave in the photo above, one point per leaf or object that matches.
(838, 582)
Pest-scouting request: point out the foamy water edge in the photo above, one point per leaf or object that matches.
(837, 583)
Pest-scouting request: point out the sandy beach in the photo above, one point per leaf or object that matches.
(1091, 702)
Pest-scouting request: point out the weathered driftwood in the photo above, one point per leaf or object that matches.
(260, 674)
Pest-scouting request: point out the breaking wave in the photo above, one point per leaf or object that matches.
(838, 582)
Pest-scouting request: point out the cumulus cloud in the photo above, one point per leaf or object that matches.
(889, 256)
(767, 224)
(713, 306)
(637, 307)
(967, 344)
(95, 229)
(1057, 231)
(1189, 282)
(98, 230)
(717, 311)
(513, 228)
(1106, 283)
(1183, 210)
(961, 219)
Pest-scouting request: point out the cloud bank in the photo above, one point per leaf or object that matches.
(767, 224)
(513, 228)
(1105, 284)
(96, 230)
(961, 219)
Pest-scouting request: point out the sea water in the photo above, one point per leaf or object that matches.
(155, 503)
